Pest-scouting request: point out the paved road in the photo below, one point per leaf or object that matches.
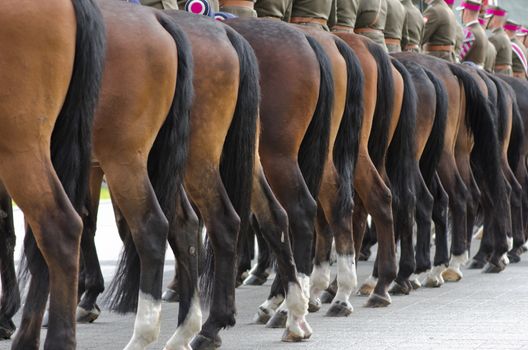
(480, 312)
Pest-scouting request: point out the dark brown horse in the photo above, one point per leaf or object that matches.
(45, 151)
(293, 147)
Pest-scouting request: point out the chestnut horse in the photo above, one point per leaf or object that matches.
(45, 143)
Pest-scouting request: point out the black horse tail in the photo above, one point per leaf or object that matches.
(314, 146)
(10, 301)
(347, 141)
(517, 135)
(71, 136)
(401, 155)
(379, 135)
(166, 166)
(238, 154)
(485, 156)
(435, 143)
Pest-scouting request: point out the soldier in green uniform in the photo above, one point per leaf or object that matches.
(475, 44)
(519, 61)
(439, 31)
(370, 20)
(346, 13)
(522, 34)
(394, 25)
(312, 13)
(278, 9)
(499, 39)
(240, 8)
(413, 27)
(161, 4)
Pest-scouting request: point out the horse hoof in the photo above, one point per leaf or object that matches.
(87, 316)
(514, 257)
(314, 305)
(327, 297)
(376, 301)
(170, 296)
(254, 280)
(201, 342)
(7, 328)
(291, 337)
(365, 290)
(493, 268)
(278, 320)
(432, 282)
(451, 275)
(340, 309)
(415, 284)
(400, 289)
(263, 315)
(476, 264)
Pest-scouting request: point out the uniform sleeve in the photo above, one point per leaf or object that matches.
(432, 21)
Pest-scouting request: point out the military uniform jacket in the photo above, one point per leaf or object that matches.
(372, 14)
(395, 20)
(347, 12)
(413, 25)
(313, 9)
(459, 41)
(491, 55)
(519, 63)
(475, 44)
(274, 8)
(503, 46)
(440, 24)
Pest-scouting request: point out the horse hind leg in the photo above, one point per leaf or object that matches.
(273, 225)
(93, 282)
(10, 302)
(183, 237)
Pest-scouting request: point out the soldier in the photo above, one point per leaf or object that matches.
(459, 32)
(475, 44)
(370, 21)
(277, 9)
(240, 8)
(161, 4)
(394, 24)
(312, 13)
(503, 61)
(439, 31)
(519, 62)
(522, 34)
(413, 27)
(346, 12)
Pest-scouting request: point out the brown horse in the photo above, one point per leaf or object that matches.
(293, 147)
(46, 143)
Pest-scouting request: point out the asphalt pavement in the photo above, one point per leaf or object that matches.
(482, 311)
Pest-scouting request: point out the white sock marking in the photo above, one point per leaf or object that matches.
(147, 324)
(182, 337)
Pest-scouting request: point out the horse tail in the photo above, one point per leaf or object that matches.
(314, 146)
(517, 135)
(71, 136)
(10, 301)
(379, 135)
(347, 140)
(435, 143)
(238, 154)
(485, 157)
(401, 155)
(166, 165)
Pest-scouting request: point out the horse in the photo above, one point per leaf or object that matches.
(45, 152)
(510, 130)
(293, 147)
(431, 114)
